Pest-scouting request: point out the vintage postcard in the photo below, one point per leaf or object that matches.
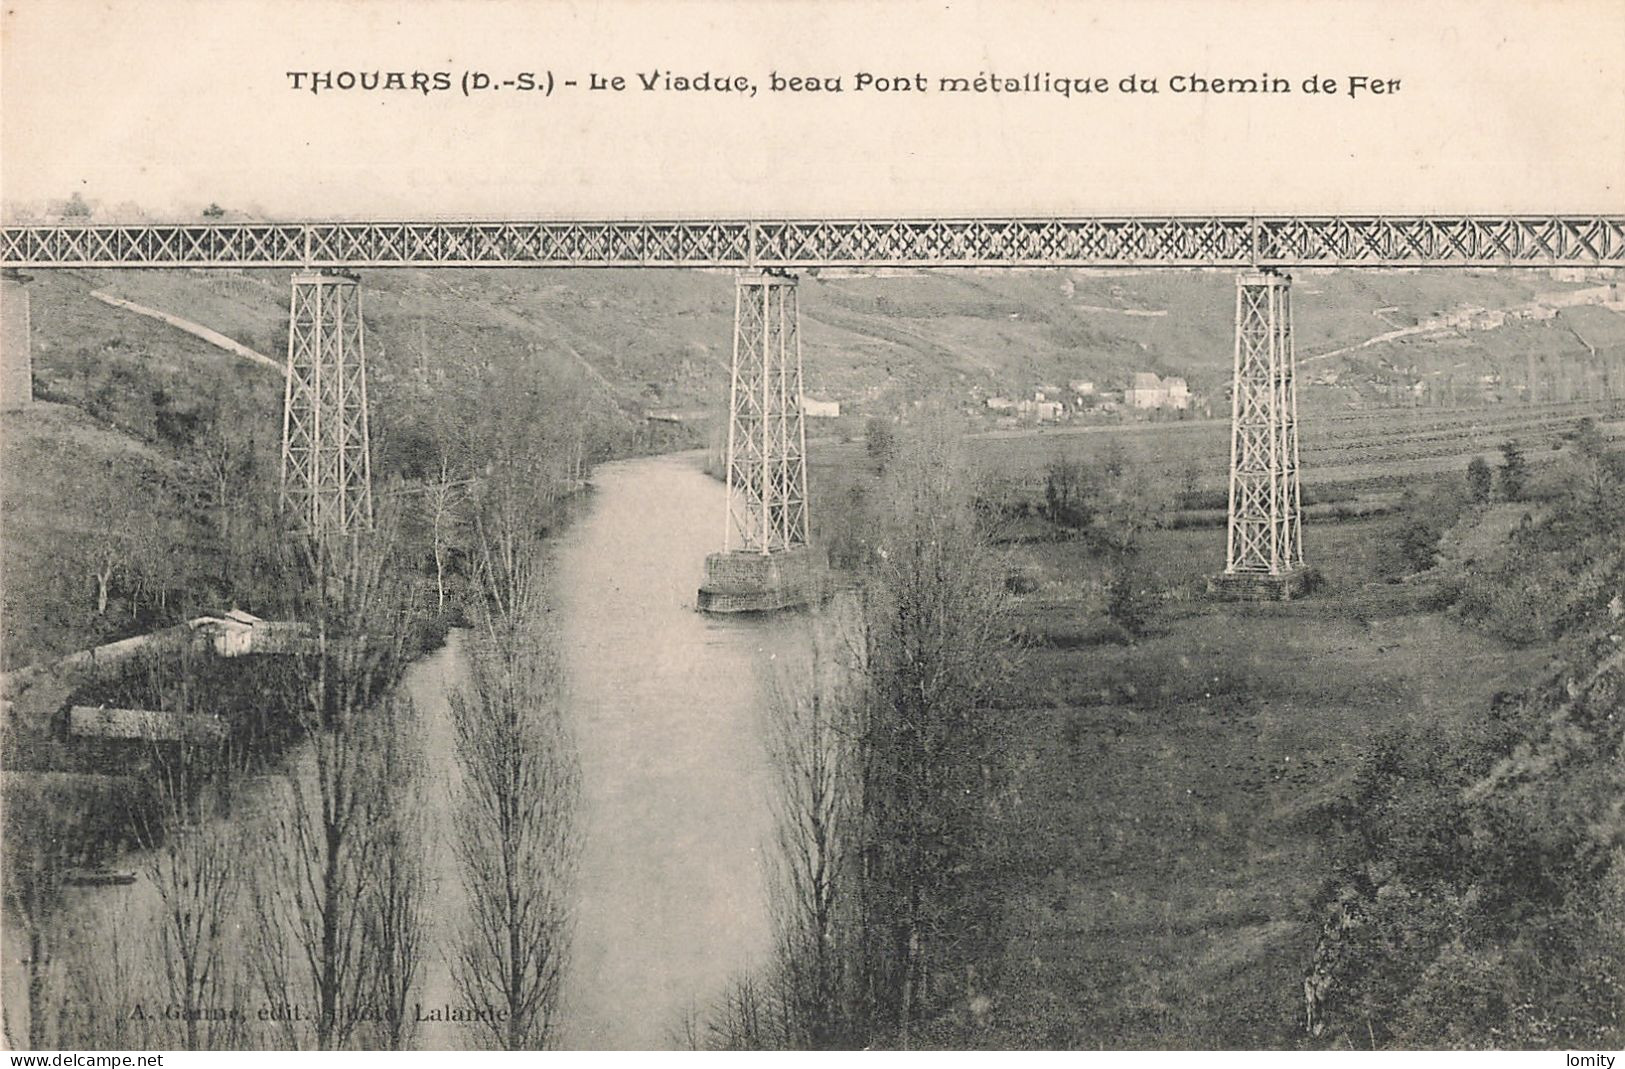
(614, 525)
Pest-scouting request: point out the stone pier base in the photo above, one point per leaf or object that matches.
(1259, 586)
(762, 582)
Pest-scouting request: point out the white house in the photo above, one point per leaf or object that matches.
(1042, 411)
(231, 633)
(1145, 391)
(1148, 391)
(815, 409)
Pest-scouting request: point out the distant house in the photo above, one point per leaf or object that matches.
(1000, 404)
(1081, 387)
(814, 409)
(237, 633)
(1146, 390)
(231, 633)
(1042, 411)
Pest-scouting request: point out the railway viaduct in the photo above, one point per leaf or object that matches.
(326, 474)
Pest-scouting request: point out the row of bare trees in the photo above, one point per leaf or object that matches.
(890, 783)
(300, 917)
(338, 897)
(517, 841)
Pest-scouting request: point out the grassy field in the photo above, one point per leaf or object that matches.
(1171, 834)
(1339, 451)
(1170, 789)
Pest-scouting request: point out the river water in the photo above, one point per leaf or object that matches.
(667, 707)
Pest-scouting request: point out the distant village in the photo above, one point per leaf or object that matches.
(1146, 396)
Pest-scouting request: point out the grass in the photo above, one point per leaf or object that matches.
(1170, 791)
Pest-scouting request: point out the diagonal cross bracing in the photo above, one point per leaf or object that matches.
(1239, 241)
(1265, 528)
(767, 441)
(326, 455)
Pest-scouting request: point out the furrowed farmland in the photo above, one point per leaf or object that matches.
(1349, 451)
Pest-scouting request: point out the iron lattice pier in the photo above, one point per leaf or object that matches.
(1266, 529)
(326, 454)
(767, 438)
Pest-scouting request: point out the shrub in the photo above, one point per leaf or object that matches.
(1480, 480)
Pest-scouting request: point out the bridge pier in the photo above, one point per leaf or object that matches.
(765, 562)
(1264, 556)
(326, 454)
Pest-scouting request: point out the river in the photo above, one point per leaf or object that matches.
(667, 708)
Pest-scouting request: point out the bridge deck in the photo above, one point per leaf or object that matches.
(1173, 241)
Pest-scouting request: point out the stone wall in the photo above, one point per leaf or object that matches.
(758, 582)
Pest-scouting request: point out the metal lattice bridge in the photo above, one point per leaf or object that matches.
(325, 451)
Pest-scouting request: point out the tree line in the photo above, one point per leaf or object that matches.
(298, 908)
(892, 785)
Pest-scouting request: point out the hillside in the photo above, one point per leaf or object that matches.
(640, 339)
(572, 359)
(75, 496)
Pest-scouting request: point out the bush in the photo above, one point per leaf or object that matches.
(1129, 601)
(880, 439)
(1479, 480)
(1514, 474)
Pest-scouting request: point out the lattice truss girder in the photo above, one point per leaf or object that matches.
(1265, 528)
(767, 441)
(326, 454)
(1171, 241)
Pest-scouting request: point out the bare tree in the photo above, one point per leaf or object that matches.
(109, 981)
(39, 834)
(193, 867)
(889, 780)
(393, 937)
(444, 496)
(939, 645)
(516, 832)
(322, 852)
(811, 745)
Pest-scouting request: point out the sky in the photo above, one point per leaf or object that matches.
(1503, 106)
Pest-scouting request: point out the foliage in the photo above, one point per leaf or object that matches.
(1129, 601)
(1474, 899)
(1480, 480)
(880, 441)
(1068, 493)
(1557, 571)
(1513, 475)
